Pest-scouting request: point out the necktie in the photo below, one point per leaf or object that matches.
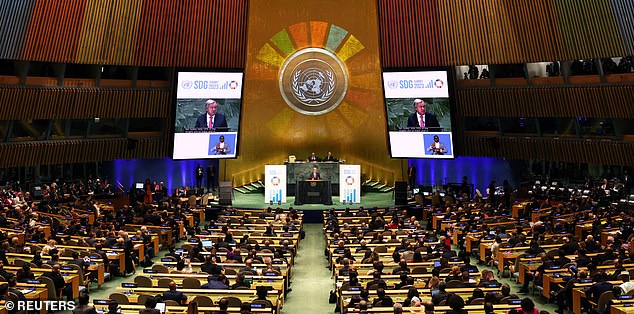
(422, 122)
(211, 122)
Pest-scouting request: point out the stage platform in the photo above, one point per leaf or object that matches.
(256, 200)
(312, 212)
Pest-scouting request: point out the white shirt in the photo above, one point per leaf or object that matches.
(627, 286)
(495, 247)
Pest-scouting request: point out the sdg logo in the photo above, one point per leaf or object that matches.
(233, 85)
(439, 83)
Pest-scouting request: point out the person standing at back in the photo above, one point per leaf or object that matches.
(199, 176)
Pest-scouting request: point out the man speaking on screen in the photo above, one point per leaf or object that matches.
(421, 118)
(211, 119)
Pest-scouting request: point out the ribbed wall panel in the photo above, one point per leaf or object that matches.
(550, 149)
(15, 17)
(599, 101)
(588, 28)
(54, 31)
(94, 31)
(75, 151)
(624, 14)
(215, 38)
(415, 22)
(124, 26)
(83, 103)
(502, 31)
(157, 38)
(194, 33)
(413, 33)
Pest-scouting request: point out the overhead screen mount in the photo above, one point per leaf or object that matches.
(418, 111)
(207, 115)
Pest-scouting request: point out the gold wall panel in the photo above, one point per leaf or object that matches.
(355, 130)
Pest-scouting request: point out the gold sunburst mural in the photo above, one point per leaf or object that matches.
(314, 64)
(313, 84)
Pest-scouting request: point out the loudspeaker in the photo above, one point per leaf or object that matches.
(225, 193)
(400, 193)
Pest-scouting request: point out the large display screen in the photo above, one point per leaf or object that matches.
(418, 114)
(207, 120)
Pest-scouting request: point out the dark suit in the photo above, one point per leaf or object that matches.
(84, 309)
(219, 121)
(430, 120)
(58, 280)
(378, 282)
(384, 302)
(80, 262)
(438, 297)
(212, 269)
(214, 285)
(174, 296)
(595, 291)
(565, 294)
(18, 293)
(240, 284)
(314, 176)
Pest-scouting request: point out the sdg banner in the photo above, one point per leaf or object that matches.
(350, 183)
(275, 183)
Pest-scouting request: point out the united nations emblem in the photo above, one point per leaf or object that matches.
(313, 81)
(187, 84)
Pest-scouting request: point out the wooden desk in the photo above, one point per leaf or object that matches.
(420, 280)
(401, 295)
(277, 282)
(622, 308)
(36, 291)
(70, 276)
(215, 294)
(497, 308)
(134, 309)
(116, 255)
(503, 257)
(96, 265)
(578, 294)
